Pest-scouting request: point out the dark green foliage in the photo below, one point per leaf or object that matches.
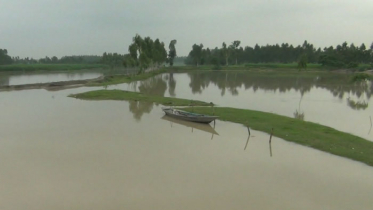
(74, 59)
(352, 65)
(302, 63)
(343, 56)
(330, 61)
(196, 55)
(112, 59)
(171, 52)
(360, 77)
(145, 53)
(5, 59)
(217, 67)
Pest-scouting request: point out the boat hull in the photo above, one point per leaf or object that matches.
(189, 116)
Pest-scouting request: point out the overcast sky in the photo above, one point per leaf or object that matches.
(39, 28)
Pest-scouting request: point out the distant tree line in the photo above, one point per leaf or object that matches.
(5, 59)
(341, 56)
(112, 59)
(75, 59)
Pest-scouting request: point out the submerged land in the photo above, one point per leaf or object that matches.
(305, 133)
(309, 134)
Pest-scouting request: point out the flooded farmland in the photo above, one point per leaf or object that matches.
(62, 153)
(326, 98)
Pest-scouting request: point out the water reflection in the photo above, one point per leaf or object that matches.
(47, 145)
(248, 138)
(270, 141)
(298, 114)
(199, 126)
(357, 105)
(32, 78)
(4, 80)
(153, 86)
(247, 142)
(337, 84)
(270, 149)
(171, 85)
(138, 108)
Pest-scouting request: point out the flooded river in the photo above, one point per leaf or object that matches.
(326, 98)
(62, 153)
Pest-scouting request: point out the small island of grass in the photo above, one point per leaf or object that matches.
(134, 96)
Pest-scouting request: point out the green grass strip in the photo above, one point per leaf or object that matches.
(134, 96)
(305, 133)
(118, 79)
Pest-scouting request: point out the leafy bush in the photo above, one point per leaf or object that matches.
(352, 65)
(360, 77)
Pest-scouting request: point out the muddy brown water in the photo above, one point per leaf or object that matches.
(63, 153)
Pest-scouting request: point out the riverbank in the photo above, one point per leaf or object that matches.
(51, 86)
(118, 79)
(305, 133)
(49, 67)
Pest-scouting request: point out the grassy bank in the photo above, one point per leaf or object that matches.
(305, 133)
(49, 67)
(118, 79)
(133, 96)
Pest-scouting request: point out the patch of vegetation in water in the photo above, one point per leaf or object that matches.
(359, 77)
(119, 79)
(134, 96)
(305, 133)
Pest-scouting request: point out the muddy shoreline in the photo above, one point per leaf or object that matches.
(52, 86)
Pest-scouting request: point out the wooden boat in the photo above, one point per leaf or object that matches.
(189, 116)
(198, 126)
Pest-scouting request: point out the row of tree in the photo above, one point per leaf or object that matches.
(341, 56)
(75, 59)
(144, 53)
